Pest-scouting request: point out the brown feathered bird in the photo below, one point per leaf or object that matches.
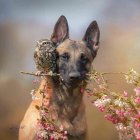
(45, 56)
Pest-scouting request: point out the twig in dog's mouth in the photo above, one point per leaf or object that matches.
(43, 74)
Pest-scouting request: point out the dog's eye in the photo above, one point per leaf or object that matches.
(65, 56)
(83, 58)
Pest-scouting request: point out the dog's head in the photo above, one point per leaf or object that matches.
(74, 57)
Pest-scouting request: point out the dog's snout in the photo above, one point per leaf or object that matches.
(74, 76)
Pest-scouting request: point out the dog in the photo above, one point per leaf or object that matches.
(74, 60)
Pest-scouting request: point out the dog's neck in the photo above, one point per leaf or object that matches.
(62, 93)
(66, 100)
(60, 90)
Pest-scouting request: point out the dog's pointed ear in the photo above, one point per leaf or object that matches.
(61, 30)
(92, 36)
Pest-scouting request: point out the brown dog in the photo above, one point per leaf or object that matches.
(74, 59)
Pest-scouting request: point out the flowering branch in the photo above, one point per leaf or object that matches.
(121, 109)
(46, 126)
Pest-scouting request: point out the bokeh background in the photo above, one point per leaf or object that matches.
(23, 22)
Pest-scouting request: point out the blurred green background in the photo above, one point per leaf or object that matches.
(23, 22)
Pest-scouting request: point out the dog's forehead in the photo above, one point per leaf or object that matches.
(71, 45)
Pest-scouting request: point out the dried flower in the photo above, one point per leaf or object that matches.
(132, 77)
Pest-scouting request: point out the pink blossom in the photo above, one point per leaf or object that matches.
(137, 91)
(101, 108)
(125, 94)
(61, 128)
(32, 92)
(51, 138)
(82, 90)
(112, 118)
(138, 115)
(137, 124)
(137, 100)
(33, 95)
(137, 134)
(65, 132)
(35, 81)
(120, 113)
(100, 105)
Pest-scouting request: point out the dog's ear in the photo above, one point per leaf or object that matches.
(61, 30)
(92, 36)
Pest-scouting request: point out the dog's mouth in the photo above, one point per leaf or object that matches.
(72, 84)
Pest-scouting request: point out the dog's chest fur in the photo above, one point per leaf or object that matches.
(67, 101)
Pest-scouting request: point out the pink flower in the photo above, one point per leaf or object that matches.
(100, 105)
(137, 91)
(137, 134)
(82, 90)
(112, 118)
(120, 113)
(65, 132)
(61, 128)
(138, 116)
(125, 94)
(101, 108)
(136, 124)
(137, 100)
(32, 92)
(51, 138)
(35, 81)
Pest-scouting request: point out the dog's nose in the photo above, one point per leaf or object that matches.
(74, 76)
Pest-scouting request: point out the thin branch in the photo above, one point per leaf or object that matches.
(56, 74)
(104, 73)
(46, 74)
